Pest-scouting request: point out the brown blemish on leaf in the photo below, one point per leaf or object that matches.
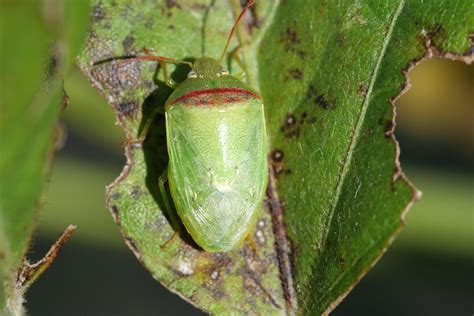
(253, 285)
(253, 261)
(277, 155)
(470, 51)
(387, 126)
(115, 196)
(118, 81)
(276, 161)
(172, 4)
(318, 99)
(136, 192)
(362, 90)
(128, 109)
(290, 127)
(98, 13)
(115, 213)
(323, 103)
(131, 244)
(128, 43)
(296, 73)
(341, 262)
(251, 276)
(291, 42)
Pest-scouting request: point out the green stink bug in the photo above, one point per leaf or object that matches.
(217, 144)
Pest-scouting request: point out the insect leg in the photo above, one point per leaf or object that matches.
(164, 195)
(235, 55)
(144, 131)
(169, 82)
(162, 60)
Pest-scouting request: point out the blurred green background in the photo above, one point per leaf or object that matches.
(427, 271)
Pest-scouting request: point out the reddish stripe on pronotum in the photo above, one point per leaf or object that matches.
(214, 96)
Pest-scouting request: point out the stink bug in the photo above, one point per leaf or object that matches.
(217, 144)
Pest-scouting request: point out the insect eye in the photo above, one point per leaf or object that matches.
(224, 72)
(192, 74)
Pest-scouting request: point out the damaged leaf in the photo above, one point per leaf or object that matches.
(329, 73)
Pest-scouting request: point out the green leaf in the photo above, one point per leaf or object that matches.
(329, 73)
(31, 99)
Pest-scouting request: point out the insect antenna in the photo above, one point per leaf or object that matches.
(155, 58)
(234, 27)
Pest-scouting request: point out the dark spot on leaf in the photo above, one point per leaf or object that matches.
(127, 44)
(291, 42)
(388, 128)
(149, 23)
(132, 245)
(387, 125)
(318, 99)
(296, 73)
(277, 155)
(214, 284)
(470, 51)
(172, 4)
(290, 127)
(322, 102)
(279, 169)
(98, 13)
(65, 101)
(341, 262)
(115, 195)
(127, 109)
(341, 39)
(290, 120)
(276, 161)
(362, 90)
(53, 65)
(292, 36)
(136, 192)
(115, 213)
(171, 27)
(435, 30)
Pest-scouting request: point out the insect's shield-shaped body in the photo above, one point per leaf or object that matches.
(217, 146)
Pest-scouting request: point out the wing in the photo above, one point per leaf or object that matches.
(217, 170)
